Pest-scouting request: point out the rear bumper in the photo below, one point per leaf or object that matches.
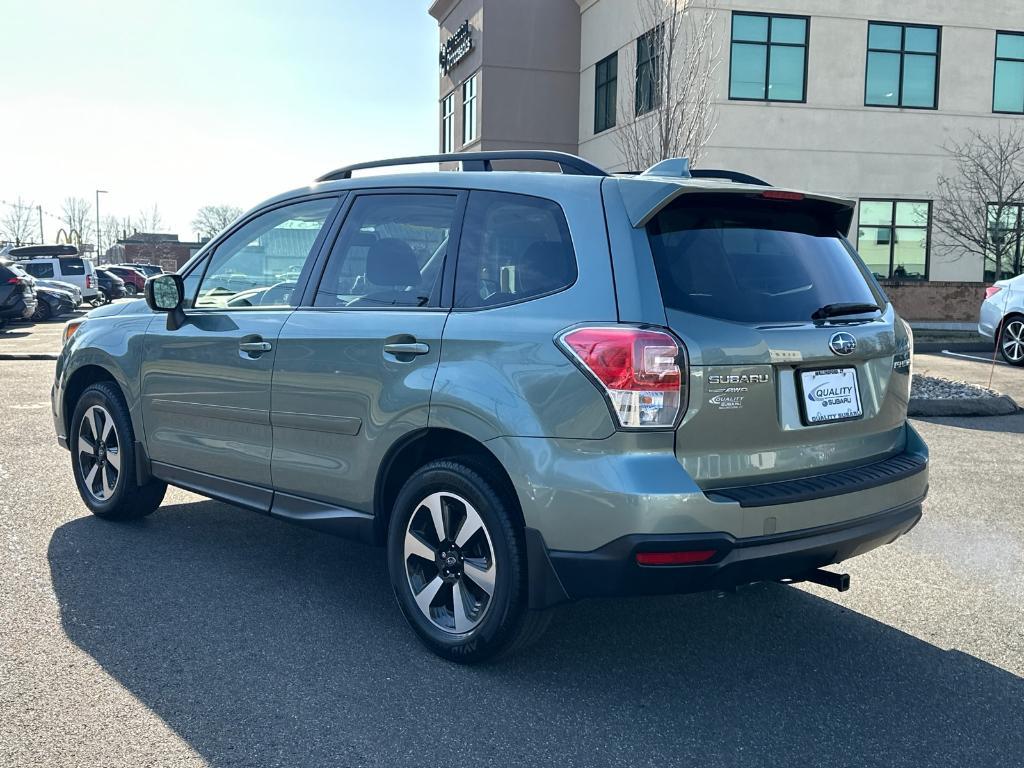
(612, 570)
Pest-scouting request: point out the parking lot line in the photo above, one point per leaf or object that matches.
(974, 357)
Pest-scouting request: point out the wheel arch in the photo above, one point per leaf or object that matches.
(426, 445)
(77, 382)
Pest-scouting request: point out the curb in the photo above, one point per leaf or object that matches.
(1002, 405)
(28, 356)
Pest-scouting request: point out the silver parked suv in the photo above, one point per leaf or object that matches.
(531, 387)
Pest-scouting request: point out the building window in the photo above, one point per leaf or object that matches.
(448, 123)
(1003, 256)
(1008, 91)
(903, 66)
(892, 238)
(768, 59)
(606, 76)
(648, 69)
(469, 110)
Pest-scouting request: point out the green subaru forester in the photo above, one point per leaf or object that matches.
(529, 387)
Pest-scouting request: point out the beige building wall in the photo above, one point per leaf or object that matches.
(833, 143)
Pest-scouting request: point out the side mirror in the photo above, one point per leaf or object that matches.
(166, 293)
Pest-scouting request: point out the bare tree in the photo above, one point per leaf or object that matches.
(149, 220)
(19, 223)
(211, 219)
(77, 218)
(111, 230)
(976, 208)
(670, 103)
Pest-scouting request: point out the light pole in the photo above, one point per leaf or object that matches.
(98, 250)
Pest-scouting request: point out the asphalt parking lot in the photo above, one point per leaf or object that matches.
(206, 635)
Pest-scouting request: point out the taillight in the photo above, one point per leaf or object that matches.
(992, 290)
(88, 281)
(637, 368)
(14, 281)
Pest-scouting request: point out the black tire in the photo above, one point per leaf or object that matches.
(113, 494)
(1011, 340)
(42, 313)
(504, 624)
(130, 290)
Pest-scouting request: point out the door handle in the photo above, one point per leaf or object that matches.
(406, 348)
(255, 347)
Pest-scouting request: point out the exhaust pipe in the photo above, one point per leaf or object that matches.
(837, 581)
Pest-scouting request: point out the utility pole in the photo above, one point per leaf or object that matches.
(98, 250)
(42, 239)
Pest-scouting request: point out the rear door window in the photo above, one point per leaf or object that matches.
(514, 247)
(42, 270)
(760, 261)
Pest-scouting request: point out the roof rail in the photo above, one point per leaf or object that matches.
(478, 161)
(741, 178)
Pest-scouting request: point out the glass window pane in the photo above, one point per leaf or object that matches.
(389, 252)
(749, 27)
(1010, 46)
(873, 247)
(789, 30)
(786, 78)
(912, 214)
(1009, 91)
(259, 264)
(885, 36)
(513, 247)
(918, 81)
(883, 79)
(877, 212)
(922, 40)
(748, 71)
(909, 251)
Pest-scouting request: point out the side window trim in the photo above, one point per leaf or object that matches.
(210, 250)
(441, 296)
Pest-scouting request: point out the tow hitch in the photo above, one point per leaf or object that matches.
(837, 581)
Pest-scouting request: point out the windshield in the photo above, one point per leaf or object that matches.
(749, 260)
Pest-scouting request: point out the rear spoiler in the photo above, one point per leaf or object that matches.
(644, 198)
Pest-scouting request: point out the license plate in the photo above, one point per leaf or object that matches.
(830, 394)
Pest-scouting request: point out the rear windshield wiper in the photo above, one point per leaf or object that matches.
(838, 310)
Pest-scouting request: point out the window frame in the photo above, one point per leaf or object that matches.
(441, 297)
(902, 52)
(609, 83)
(892, 240)
(448, 123)
(459, 255)
(996, 58)
(470, 104)
(201, 261)
(657, 63)
(1018, 230)
(806, 45)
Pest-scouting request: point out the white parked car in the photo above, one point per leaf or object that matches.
(1002, 318)
(59, 262)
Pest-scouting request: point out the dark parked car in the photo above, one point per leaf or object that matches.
(134, 278)
(17, 299)
(111, 286)
(52, 302)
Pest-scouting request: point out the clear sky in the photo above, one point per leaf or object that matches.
(195, 102)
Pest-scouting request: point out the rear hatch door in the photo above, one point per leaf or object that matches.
(799, 366)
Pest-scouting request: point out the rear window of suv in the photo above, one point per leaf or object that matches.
(757, 261)
(72, 267)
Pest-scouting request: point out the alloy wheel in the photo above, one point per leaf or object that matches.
(1013, 341)
(449, 562)
(99, 452)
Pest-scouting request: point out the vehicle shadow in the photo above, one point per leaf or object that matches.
(260, 643)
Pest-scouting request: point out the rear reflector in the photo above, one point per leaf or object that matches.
(637, 368)
(686, 557)
(781, 194)
(992, 290)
